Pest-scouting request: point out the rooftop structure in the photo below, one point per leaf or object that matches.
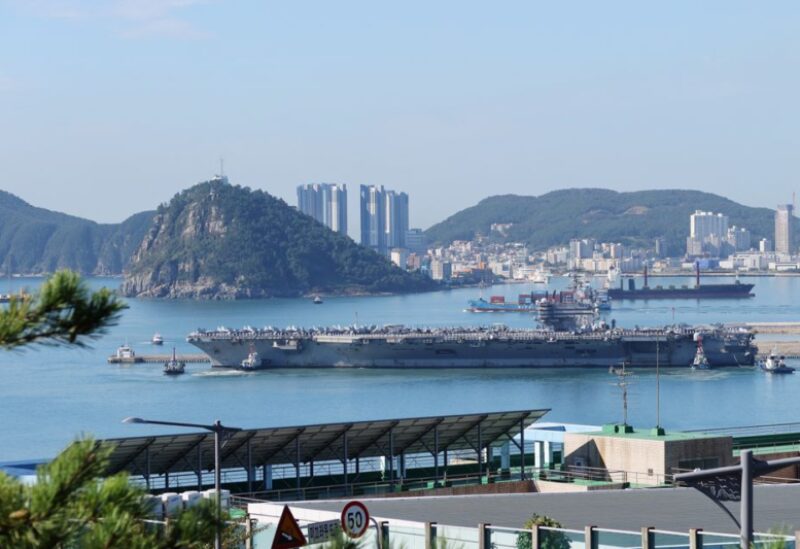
(651, 455)
(156, 458)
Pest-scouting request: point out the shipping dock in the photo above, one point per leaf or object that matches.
(196, 358)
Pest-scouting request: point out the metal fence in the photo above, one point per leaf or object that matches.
(484, 536)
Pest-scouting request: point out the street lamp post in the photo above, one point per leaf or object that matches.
(735, 482)
(219, 430)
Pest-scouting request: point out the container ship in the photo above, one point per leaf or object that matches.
(579, 296)
(736, 290)
(400, 347)
(498, 304)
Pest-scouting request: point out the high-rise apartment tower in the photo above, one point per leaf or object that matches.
(784, 228)
(325, 202)
(384, 218)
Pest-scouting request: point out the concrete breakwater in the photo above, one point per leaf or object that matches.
(789, 349)
(775, 327)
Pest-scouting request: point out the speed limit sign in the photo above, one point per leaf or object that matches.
(355, 519)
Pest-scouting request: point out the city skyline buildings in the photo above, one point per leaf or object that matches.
(373, 217)
(384, 218)
(784, 227)
(325, 202)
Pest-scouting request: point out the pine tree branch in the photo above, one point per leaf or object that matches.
(63, 312)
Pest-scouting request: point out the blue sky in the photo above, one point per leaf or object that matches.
(110, 107)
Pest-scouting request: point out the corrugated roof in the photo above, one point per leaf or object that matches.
(322, 442)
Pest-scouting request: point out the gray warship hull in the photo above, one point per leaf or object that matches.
(474, 349)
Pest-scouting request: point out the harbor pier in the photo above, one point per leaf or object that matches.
(196, 358)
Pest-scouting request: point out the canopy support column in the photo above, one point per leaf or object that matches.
(436, 455)
(391, 457)
(480, 452)
(147, 467)
(344, 461)
(199, 469)
(522, 449)
(250, 475)
(297, 463)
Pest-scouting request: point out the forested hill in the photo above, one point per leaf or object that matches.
(36, 240)
(633, 218)
(220, 241)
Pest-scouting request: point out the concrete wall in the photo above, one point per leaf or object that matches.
(645, 460)
(514, 487)
(720, 448)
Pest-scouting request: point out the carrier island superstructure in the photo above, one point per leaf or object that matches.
(468, 347)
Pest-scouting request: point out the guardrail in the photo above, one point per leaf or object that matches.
(486, 536)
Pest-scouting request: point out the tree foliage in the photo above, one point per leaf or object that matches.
(218, 235)
(633, 218)
(548, 539)
(71, 505)
(35, 240)
(62, 312)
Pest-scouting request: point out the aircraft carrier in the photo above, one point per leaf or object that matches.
(463, 347)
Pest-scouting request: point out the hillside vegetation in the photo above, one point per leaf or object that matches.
(216, 240)
(633, 218)
(36, 240)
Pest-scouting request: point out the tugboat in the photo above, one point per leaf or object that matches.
(775, 365)
(700, 361)
(252, 361)
(317, 300)
(173, 366)
(157, 339)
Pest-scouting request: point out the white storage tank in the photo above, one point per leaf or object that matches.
(225, 497)
(191, 498)
(155, 507)
(173, 503)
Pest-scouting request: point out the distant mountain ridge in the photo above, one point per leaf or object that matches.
(220, 241)
(633, 218)
(36, 240)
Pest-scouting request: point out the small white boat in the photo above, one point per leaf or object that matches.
(125, 351)
(775, 365)
(157, 339)
(317, 300)
(174, 366)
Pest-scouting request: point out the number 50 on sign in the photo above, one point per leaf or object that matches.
(355, 519)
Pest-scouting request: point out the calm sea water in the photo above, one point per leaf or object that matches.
(50, 395)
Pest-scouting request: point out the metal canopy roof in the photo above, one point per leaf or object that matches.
(156, 455)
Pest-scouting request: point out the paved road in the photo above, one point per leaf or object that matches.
(676, 509)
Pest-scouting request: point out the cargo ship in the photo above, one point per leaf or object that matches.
(498, 304)
(736, 290)
(400, 347)
(579, 298)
